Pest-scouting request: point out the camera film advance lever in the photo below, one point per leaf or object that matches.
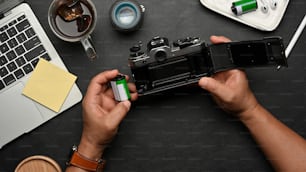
(164, 66)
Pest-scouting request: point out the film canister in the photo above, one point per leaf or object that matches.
(120, 88)
(127, 15)
(244, 6)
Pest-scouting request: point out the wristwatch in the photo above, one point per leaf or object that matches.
(80, 161)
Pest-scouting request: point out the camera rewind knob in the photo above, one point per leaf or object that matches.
(135, 51)
(135, 48)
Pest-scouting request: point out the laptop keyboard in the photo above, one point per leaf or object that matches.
(20, 50)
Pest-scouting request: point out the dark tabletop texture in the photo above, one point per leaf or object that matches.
(181, 130)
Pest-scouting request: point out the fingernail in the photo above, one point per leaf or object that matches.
(203, 82)
(127, 104)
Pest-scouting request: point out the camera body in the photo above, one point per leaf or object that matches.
(165, 65)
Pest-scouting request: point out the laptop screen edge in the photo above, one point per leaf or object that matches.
(6, 5)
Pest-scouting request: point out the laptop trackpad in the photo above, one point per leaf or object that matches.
(18, 113)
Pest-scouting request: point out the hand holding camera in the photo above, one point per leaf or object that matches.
(165, 65)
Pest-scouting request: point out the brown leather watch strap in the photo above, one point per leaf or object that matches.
(87, 164)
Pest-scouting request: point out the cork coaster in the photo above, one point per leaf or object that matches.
(38, 163)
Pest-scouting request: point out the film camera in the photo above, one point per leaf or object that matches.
(164, 66)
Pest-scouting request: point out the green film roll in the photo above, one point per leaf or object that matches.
(120, 88)
(243, 6)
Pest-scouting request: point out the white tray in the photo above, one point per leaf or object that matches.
(257, 19)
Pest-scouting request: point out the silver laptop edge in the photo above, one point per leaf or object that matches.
(74, 96)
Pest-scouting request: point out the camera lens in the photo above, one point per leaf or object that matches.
(160, 55)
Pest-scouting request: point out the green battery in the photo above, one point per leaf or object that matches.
(120, 88)
(244, 6)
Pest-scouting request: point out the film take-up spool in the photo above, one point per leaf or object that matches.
(126, 15)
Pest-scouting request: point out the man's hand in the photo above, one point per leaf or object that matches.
(102, 114)
(230, 89)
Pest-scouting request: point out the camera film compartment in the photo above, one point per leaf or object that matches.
(187, 60)
(120, 88)
(164, 66)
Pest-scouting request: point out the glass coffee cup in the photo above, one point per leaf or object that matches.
(74, 21)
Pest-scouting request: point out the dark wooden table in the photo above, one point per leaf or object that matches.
(183, 129)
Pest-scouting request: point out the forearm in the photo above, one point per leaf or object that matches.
(284, 148)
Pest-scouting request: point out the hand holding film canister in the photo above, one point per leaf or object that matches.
(120, 88)
(102, 115)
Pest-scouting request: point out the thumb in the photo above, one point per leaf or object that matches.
(213, 86)
(120, 111)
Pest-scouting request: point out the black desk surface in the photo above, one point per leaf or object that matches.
(180, 130)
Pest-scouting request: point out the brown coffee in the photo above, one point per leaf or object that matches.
(74, 20)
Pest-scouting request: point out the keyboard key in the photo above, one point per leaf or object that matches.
(34, 53)
(46, 57)
(34, 62)
(21, 18)
(21, 38)
(27, 68)
(11, 66)
(1, 85)
(3, 72)
(20, 61)
(3, 37)
(12, 42)
(9, 79)
(19, 50)
(3, 28)
(31, 43)
(12, 23)
(4, 48)
(30, 32)
(11, 32)
(3, 61)
(23, 25)
(19, 74)
(11, 55)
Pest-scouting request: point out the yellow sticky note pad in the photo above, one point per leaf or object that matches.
(49, 85)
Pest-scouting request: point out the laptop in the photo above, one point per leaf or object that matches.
(22, 42)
